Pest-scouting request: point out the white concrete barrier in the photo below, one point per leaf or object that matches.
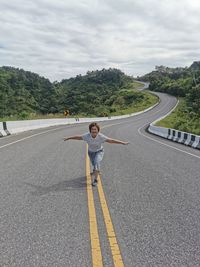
(196, 143)
(170, 134)
(26, 125)
(182, 138)
(2, 131)
(21, 126)
(161, 131)
(174, 135)
(188, 139)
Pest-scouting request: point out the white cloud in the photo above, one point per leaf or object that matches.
(60, 39)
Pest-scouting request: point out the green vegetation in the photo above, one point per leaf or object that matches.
(148, 100)
(23, 92)
(26, 95)
(182, 119)
(180, 82)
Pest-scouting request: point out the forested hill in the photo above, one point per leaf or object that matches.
(24, 92)
(182, 82)
(176, 81)
(93, 93)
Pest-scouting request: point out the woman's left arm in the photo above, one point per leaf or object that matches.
(115, 141)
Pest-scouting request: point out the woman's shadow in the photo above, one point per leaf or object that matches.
(74, 184)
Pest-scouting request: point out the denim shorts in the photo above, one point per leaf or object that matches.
(96, 158)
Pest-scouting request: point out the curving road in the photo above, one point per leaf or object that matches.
(151, 186)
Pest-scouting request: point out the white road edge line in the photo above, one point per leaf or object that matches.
(109, 125)
(180, 150)
(54, 130)
(30, 137)
(139, 131)
(113, 124)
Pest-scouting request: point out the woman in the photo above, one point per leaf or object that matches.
(95, 149)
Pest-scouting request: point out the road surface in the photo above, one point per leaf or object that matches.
(49, 210)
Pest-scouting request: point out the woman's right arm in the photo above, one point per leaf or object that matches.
(75, 137)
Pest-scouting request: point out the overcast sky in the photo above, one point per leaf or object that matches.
(62, 38)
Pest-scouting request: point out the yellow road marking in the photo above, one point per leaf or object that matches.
(117, 258)
(94, 236)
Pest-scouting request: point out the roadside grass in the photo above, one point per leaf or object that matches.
(181, 119)
(148, 101)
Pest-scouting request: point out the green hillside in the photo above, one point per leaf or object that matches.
(180, 82)
(26, 95)
(23, 92)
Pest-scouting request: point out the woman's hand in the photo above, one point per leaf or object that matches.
(126, 143)
(75, 137)
(115, 141)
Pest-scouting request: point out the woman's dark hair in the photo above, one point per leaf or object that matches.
(94, 124)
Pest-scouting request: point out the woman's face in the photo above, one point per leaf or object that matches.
(94, 131)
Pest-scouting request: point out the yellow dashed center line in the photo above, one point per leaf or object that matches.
(94, 236)
(95, 243)
(117, 258)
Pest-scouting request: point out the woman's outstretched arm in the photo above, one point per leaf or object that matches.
(75, 137)
(115, 141)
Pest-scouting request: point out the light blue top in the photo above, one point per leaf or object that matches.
(94, 144)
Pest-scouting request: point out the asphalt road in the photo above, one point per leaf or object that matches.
(152, 189)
